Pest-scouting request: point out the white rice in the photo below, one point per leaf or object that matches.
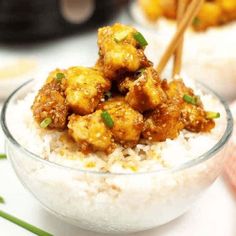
(209, 56)
(144, 157)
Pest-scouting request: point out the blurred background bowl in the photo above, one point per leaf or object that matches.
(209, 55)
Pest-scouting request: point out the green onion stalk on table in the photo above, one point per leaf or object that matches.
(3, 156)
(18, 221)
(24, 224)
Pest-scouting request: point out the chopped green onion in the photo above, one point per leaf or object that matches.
(196, 21)
(140, 39)
(212, 115)
(24, 224)
(2, 201)
(107, 95)
(139, 72)
(3, 156)
(59, 77)
(194, 100)
(120, 36)
(46, 122)
(107, 119)
(198, 100)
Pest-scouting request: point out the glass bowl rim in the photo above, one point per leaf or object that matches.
(203, 157)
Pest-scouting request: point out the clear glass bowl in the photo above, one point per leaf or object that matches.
(114, 203)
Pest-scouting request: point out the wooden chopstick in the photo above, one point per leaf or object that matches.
(189, 15)
(182, 5)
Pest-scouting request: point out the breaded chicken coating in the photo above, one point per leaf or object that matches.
(124, 85)
(228, 8)
(193, 116)
(85, 89)
(50, 103)
(59, 75)
(163, 123)
(209, 15)
(146, 92)
(91, 133)
(128, 123)
(195, 119)
(119, 51)
(176, 89)
(153, 9)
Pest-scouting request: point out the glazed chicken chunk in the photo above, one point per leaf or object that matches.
(50, 103)
(60, 76)
(193, 114)
(85, 89)
(195, 119)
(163, 123)
(125, 84)
(209, 15)
(128, 123)
(146, 93)
(91, 133)
(157, 8)
(120, 50)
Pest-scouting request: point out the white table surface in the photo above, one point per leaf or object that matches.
(213, 215)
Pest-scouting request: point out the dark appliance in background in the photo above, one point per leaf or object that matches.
(31, 20)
